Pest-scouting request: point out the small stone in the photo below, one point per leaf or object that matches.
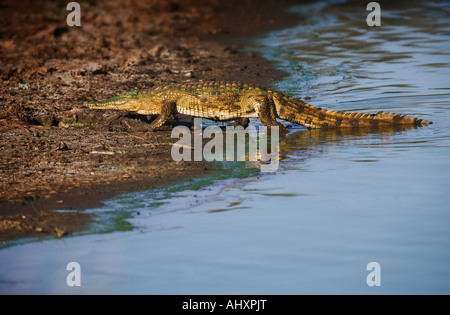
(60, 232)
(157, 50)
(62, 146)
(63, 125)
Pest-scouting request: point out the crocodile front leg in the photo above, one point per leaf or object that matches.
(166, 111)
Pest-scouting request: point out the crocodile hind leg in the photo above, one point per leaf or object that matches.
(265, 107)
(166, 111)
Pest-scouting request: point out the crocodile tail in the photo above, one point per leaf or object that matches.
(297, 111)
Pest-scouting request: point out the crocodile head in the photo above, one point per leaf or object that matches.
(126, 101)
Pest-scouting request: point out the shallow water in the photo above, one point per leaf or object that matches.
(340, 200)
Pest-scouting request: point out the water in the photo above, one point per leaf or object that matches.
(340, 200)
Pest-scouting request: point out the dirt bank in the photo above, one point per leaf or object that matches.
(57, 154)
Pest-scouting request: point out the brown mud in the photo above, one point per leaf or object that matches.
(57, 154)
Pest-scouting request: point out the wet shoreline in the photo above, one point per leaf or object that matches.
(49, 139)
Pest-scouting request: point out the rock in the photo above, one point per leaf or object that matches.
(60, 232)
(156, 51)
(63, 125)
(62, 146)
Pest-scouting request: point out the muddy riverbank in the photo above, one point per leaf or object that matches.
(57, 154)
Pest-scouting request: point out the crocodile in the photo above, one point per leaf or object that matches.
(224, 101)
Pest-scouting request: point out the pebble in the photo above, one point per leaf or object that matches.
(62, 146)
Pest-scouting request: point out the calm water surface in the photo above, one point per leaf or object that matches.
(340, 200)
